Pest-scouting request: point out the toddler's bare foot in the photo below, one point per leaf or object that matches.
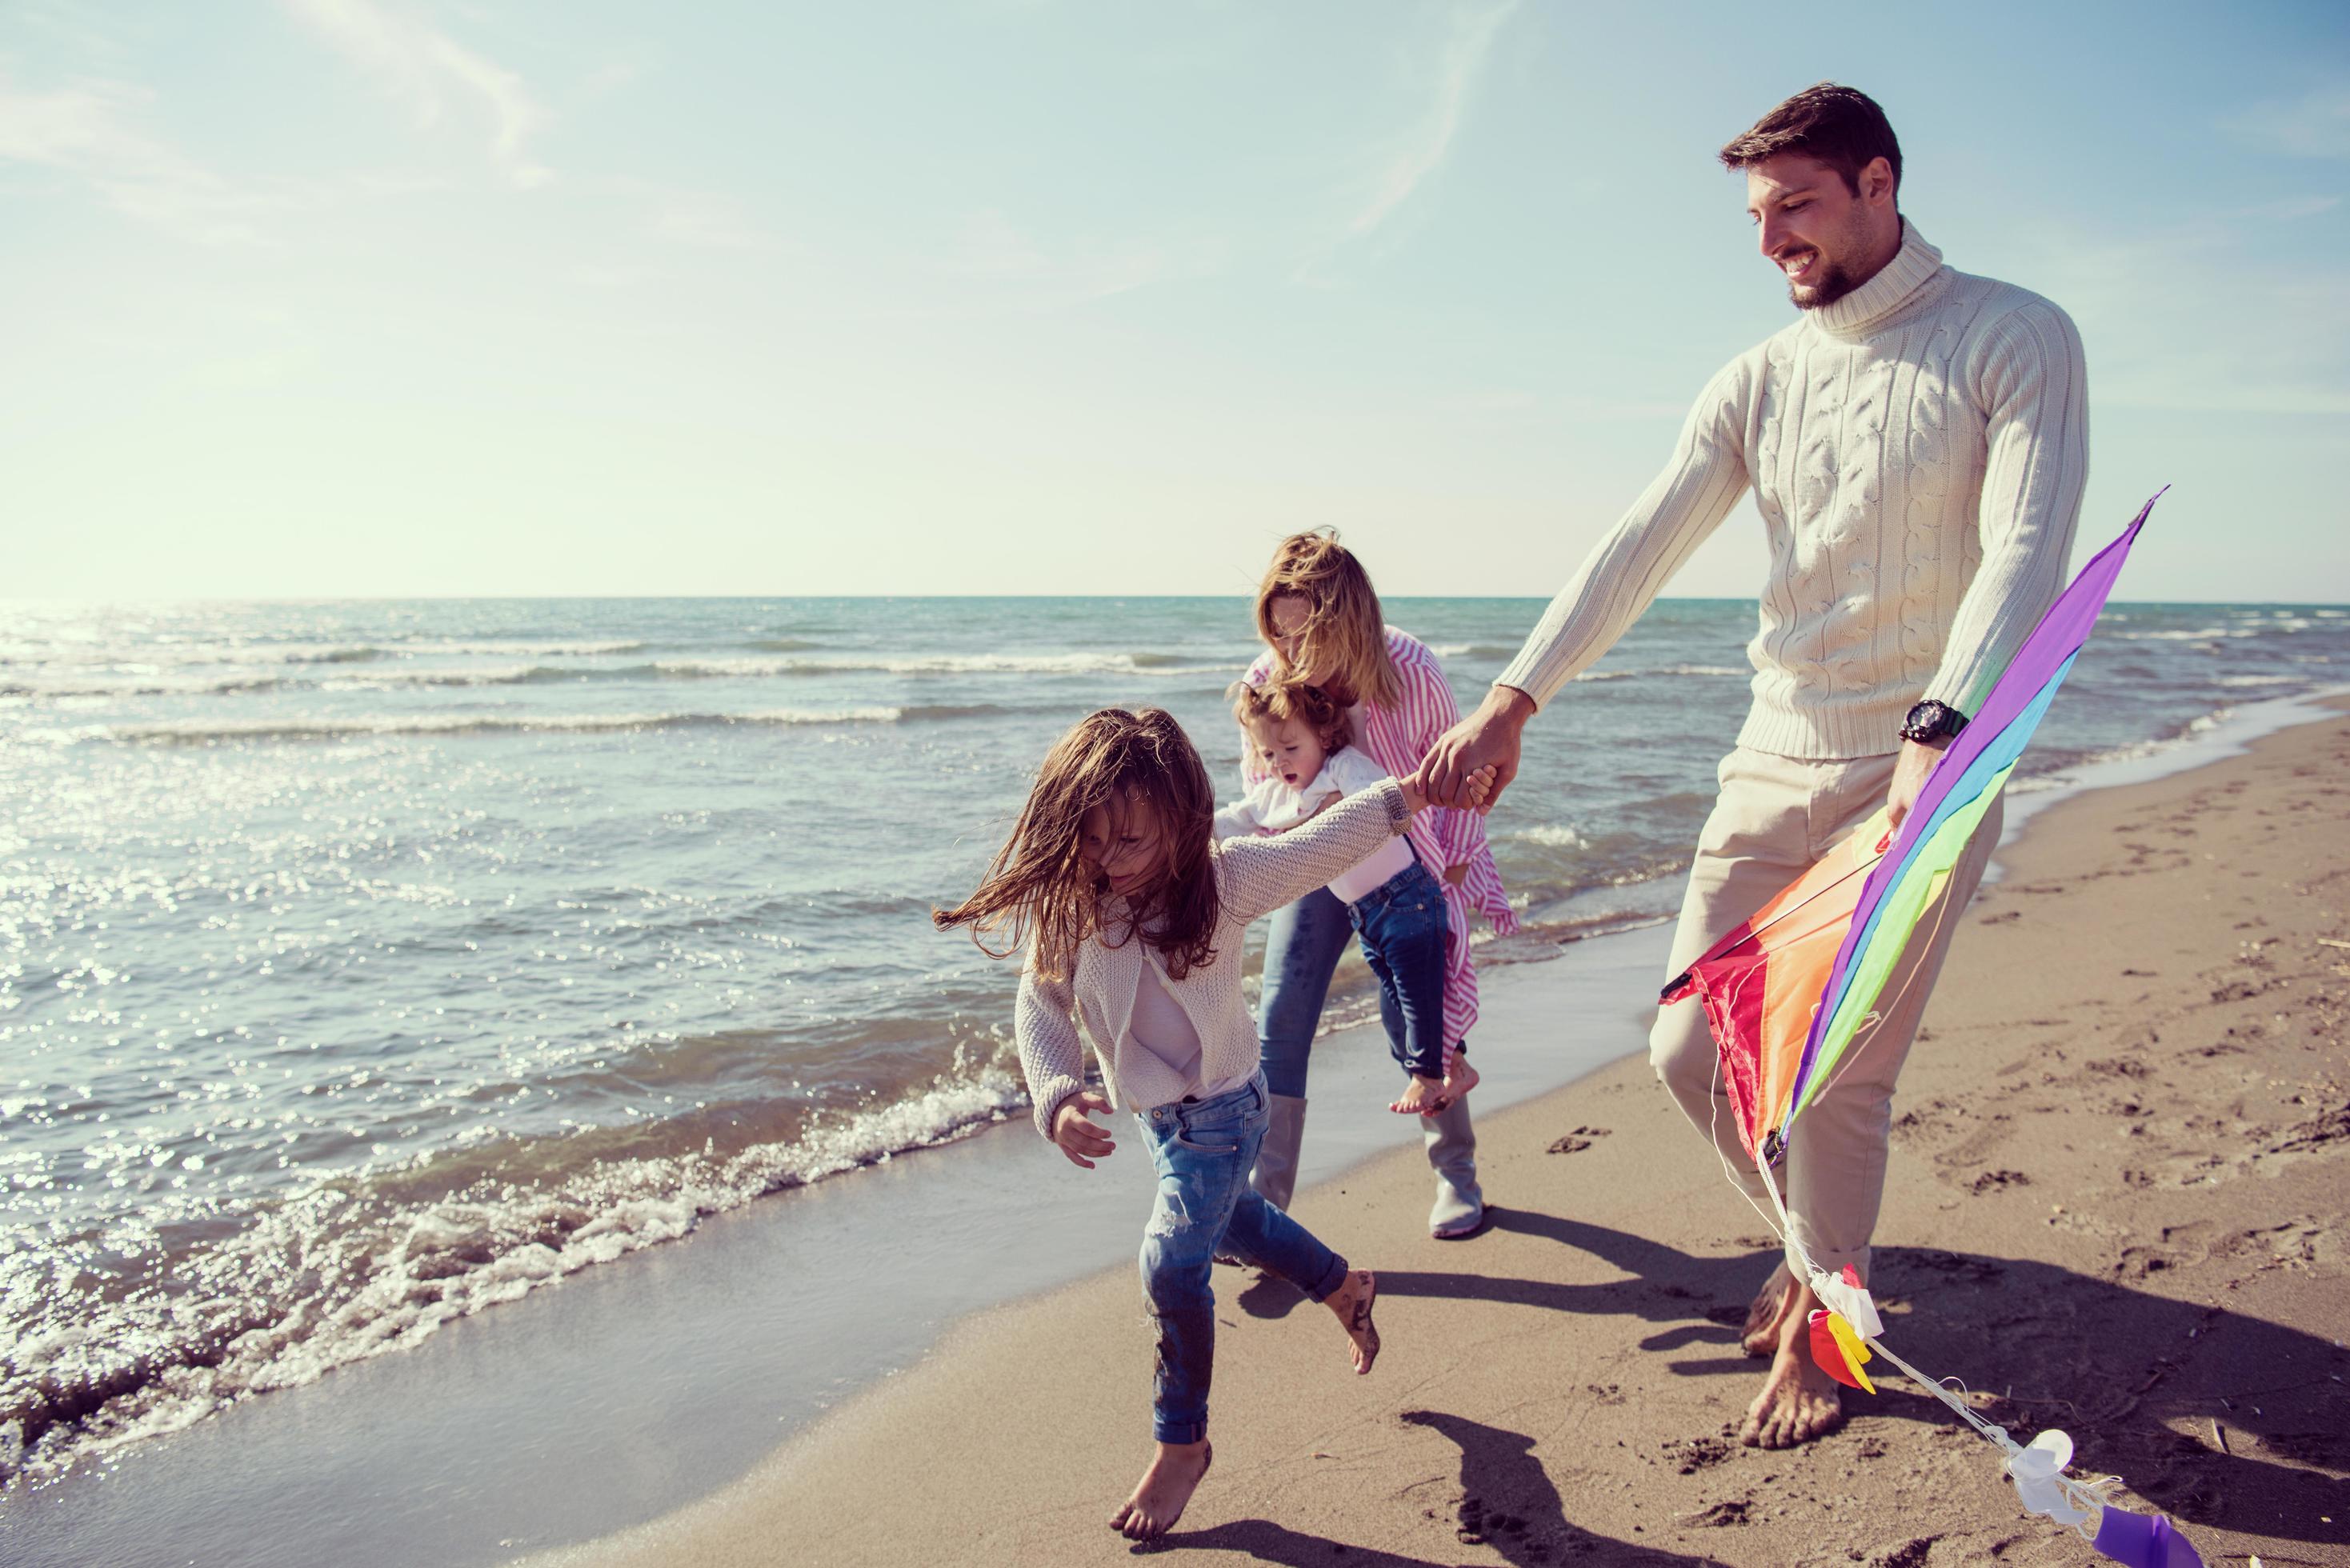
(1175, 1473)
(1460, 1078)
(1420, 1097)
(1350, 1303)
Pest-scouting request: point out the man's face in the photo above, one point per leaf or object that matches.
(1825, 239)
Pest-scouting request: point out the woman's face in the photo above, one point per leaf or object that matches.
(1289, 614)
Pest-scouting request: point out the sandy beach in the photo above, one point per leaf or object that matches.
(2115, 1206)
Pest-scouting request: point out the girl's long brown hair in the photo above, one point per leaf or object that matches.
(1345, 645)
(1040, 893)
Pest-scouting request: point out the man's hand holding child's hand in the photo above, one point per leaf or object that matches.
(1077, 1137)
(1474, 788)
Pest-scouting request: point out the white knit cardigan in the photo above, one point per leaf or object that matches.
(1254, 877)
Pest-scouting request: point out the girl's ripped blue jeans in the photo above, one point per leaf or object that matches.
(1202, 1150)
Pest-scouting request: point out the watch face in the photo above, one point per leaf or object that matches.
(1925, 720)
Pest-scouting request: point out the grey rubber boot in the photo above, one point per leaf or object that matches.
(1276, 1176)
(1452, 1154)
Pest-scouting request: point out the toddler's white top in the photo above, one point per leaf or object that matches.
(1272, 806)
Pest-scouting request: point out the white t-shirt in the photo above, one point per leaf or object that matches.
(1160, 1026)
(1272, 806)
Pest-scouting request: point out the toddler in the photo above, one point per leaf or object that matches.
(1393, 901)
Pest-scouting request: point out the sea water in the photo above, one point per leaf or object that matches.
(363, 964)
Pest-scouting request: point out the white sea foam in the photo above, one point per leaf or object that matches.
(340, 1275)
(1553, 836)
(1010, 664)
(204, 732)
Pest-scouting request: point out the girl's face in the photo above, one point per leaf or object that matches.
(1131, 853)
(1288, 749)
(1289, 614)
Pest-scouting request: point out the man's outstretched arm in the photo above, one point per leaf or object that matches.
(1616, 581)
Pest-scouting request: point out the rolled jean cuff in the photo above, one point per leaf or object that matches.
(1171, 1432)
(1331, 1280)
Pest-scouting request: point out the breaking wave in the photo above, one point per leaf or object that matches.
(354, 1268)
(198, 733)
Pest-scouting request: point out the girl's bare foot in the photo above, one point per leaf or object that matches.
(1799, 1402)
(1351, 1304)
(1420, 1097)
(1460, 1078)
(1175, 1473)
(1768, 1313)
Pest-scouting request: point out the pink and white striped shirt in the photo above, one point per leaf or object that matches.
(1398, 737)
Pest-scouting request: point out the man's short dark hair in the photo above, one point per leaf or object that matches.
(1840, 126)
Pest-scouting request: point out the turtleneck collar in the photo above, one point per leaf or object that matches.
(1858, 314)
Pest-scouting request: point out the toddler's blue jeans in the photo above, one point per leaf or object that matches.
(1401, 923)
(1204, 1149)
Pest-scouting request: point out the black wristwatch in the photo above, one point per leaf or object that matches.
(1931, 721)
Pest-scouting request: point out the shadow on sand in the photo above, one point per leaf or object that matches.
(2122, 1369)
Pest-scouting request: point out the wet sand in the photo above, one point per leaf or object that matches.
(2117, 1205)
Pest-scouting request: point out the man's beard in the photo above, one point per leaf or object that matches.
(1828, 291)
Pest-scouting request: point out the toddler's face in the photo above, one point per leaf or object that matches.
(1288, 748)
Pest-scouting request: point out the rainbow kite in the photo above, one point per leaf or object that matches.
(1787, 992)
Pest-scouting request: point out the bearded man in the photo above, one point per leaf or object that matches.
(1917, 441)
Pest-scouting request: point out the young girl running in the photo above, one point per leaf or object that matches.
(1299, 737)
(1132, 921)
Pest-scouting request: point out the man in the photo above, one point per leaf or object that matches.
(1917, 442)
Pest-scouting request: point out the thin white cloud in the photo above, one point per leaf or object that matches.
(2209, 316)
(425, 69)
(92, 132)
(992, 247)
(2314, 125)
(1473, 30)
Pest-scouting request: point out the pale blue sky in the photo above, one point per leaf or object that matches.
(571, 296)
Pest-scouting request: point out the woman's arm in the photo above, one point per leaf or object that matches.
(1429, 710)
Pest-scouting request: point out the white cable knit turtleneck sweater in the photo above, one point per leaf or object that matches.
(1918, 450)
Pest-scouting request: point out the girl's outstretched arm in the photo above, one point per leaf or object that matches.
(1052, 1057)
(1263, 874)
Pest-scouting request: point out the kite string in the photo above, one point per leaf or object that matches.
(1877, 1014)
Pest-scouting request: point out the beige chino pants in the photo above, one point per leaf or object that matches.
(1775, 816)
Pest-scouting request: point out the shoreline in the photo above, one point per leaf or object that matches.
(737, 1244)
(2149, 1317)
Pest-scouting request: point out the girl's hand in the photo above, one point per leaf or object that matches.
(1473, 791)
(1077, 1137)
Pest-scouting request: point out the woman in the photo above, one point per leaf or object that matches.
(1320, 620)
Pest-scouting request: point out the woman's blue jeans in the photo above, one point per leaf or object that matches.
(1202, 1150)
(1302, 945)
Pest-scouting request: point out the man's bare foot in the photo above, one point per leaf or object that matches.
(1768, 1313)
(1351, 1304)
(1420, 1097)
(1175, 1473)
(1799, 1402)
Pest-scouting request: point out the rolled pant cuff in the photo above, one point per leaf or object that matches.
(1832, 1260)
(1330, 1280)
(1187, 1432)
